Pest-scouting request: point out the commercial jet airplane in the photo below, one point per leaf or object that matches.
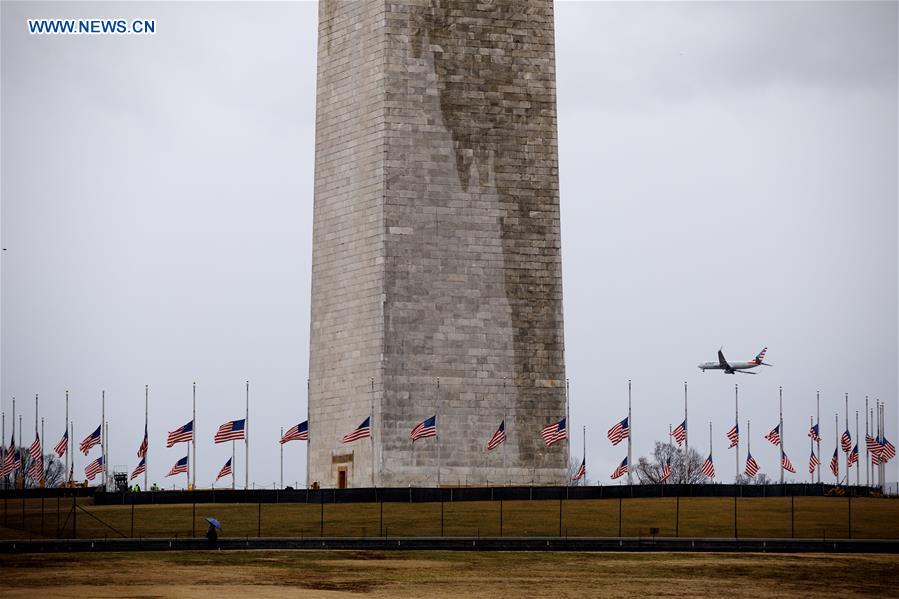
(733, 367)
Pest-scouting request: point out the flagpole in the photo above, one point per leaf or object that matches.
(584, 458)
(883, 433)
(867, 456)
(233, 464)
(505, 405)
(371, 430)
(748, 440)
(191, 463)
(282, 459)
(70, 440)
(103, 433)
(836, 438)
(780, 427)
(857, 469)
(686, 439)
(21, 454)
(43, 466)
(630, 432)
(36, 431)
(710, 439)
(146, 431)
(308, 434)
(72, 463)
(437, 426)
(811, 444)
(850, 444)
(568, 421)
(818, 420)
(737, 425)
(246, 438)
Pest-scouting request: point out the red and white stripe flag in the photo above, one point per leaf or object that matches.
(225, 471)
(787, 464)
(498, 438)
(621, 470)
(708, 467)
(581, 470)
(813, 463)
(63, 444)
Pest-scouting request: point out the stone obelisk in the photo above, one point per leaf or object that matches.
(436, 247)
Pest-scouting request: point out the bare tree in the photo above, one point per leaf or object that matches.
(573, 464)
(685, 467)
(54, 471)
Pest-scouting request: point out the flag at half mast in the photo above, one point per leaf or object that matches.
(362, 431)
(299, 432)
(232, 430)
(498, 438)
(554, 433)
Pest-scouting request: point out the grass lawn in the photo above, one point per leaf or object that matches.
(279, 574)
(813, 517)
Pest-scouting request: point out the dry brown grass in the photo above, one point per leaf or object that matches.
(264, 574)
(814, 517)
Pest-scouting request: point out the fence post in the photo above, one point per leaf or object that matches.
(677, 515)
(321, 525)
(193, 517)
(381, 524)
(560, 516)
(132, 516)
(619, 517)
(735, 514)
(500, 517)
(850, 515)
(57, 516)
(74, 516)
(42, 513)
(441, 516)
(792, 517)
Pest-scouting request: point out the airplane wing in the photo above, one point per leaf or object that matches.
(745, 372)
(722, 361)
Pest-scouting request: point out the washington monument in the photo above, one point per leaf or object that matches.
(436, 275)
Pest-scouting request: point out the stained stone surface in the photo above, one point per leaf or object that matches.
(436, 247)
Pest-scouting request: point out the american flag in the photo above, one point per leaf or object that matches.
(362, 431)
(72, 471)
(666, 471)
(752, 467)
(233, 430)
(299, 432)
(63, 444)
(181, 434)
(141, 468)
(90, 440)
(872, 443)
(835, 463)
(425, 428)
(853, 456)
(180, 467)
(680, 433)
(142, 450)
(813, 433)
(708, 467)
(774, 435)
(887, 450)
(9, 464)
(553, 433)
(734, 436)
(875, 456)
(36, 471)
(581, 470)
(225, 471)
(787, 464)
(94, 468)
(498, 438)
(846, 441)
(813, 463)
(620, 470)
(619, 432)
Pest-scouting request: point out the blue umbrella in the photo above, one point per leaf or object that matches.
(214, 522)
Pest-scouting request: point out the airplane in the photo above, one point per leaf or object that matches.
(734, 367)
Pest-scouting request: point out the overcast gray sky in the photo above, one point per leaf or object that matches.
(728, 177)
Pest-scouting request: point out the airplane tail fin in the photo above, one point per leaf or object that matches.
(760, 359)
